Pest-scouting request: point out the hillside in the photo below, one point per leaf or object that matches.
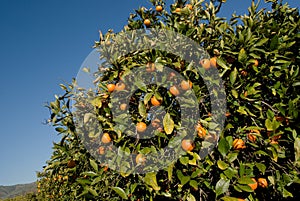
(16, 190)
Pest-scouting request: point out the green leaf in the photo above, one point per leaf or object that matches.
(170, 171)
(168, 124)
(147, 97)
(142, 109)
(184, 160)
(150, 179)
(120, 192)
(92, 191)
(227, 198)
(245, 180)
(190, 197)
(194, 184)
(245, 188)
(183, 179)
(286, 193)
(94, 165)
(223, 147)
(233, 75)
(222, 165)
(242, 55)
(222, 186)
(297, 151)
(232, 157)
(234, 93)
(261, 167)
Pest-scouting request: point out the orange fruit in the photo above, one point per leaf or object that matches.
(238, 144)
(187, 145)
(141, 127)
(140, 159)
(105, 138)
(185, 85)
(147, 22)
(123, 106)
(174, 90)
(120, 86)
(240, 199)
(111, 87)
(255, 62)
(205, 63)
(150, 67)
(105, 168)
(262, 182)
(227, 114)
(101, 150)
(177, 10)
(155, 123)
(154, 101)
(251, 137)
(253, 186)
(71, 164)
(213, 61)
(201, 131)
(159, 8)
(189, 6)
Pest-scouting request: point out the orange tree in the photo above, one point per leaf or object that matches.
(258, 152)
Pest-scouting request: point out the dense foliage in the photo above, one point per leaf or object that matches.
(258, 153)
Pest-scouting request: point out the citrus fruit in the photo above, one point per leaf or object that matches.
(123, 106)
(177, 10)
(140, 159)
(141, 127)
(205, 63)
(154, 101)
(111, 87)
(187, 145)
(262, 182)
(101, 150)
(185, 85)
(174, 90)
(105, 138)
(159, 8)
(255, 62)
(213, 61)
(189, 6)
(120, 86)
(201, 131)
(253, 186)
(238, 144)
(147, 22)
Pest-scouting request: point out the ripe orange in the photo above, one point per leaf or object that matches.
(111, 87)
(253, 186)
(120, 86)
(189, 6)
(159, 8)
(201, 131)
(140, 159)
(240, 199)
(147, 22)
(105, 138)
(238, 144)
(123, 106)
(213, 61)
(185, 85)
(255, 62)
(174, 90)
(101, 150)
(262, 182)
(141, 127)
(227, 114)
(251, 137)
(71, 164)
(187, 145)
(205, 63)
(154, 101)
(177, 10)
(105, 168)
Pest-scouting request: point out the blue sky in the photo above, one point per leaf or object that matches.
(42, 44)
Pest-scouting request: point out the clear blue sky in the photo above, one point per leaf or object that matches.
(42, 44)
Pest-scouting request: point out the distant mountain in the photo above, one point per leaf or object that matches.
(16, 190)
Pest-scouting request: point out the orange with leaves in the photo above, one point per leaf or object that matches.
(187, 145)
